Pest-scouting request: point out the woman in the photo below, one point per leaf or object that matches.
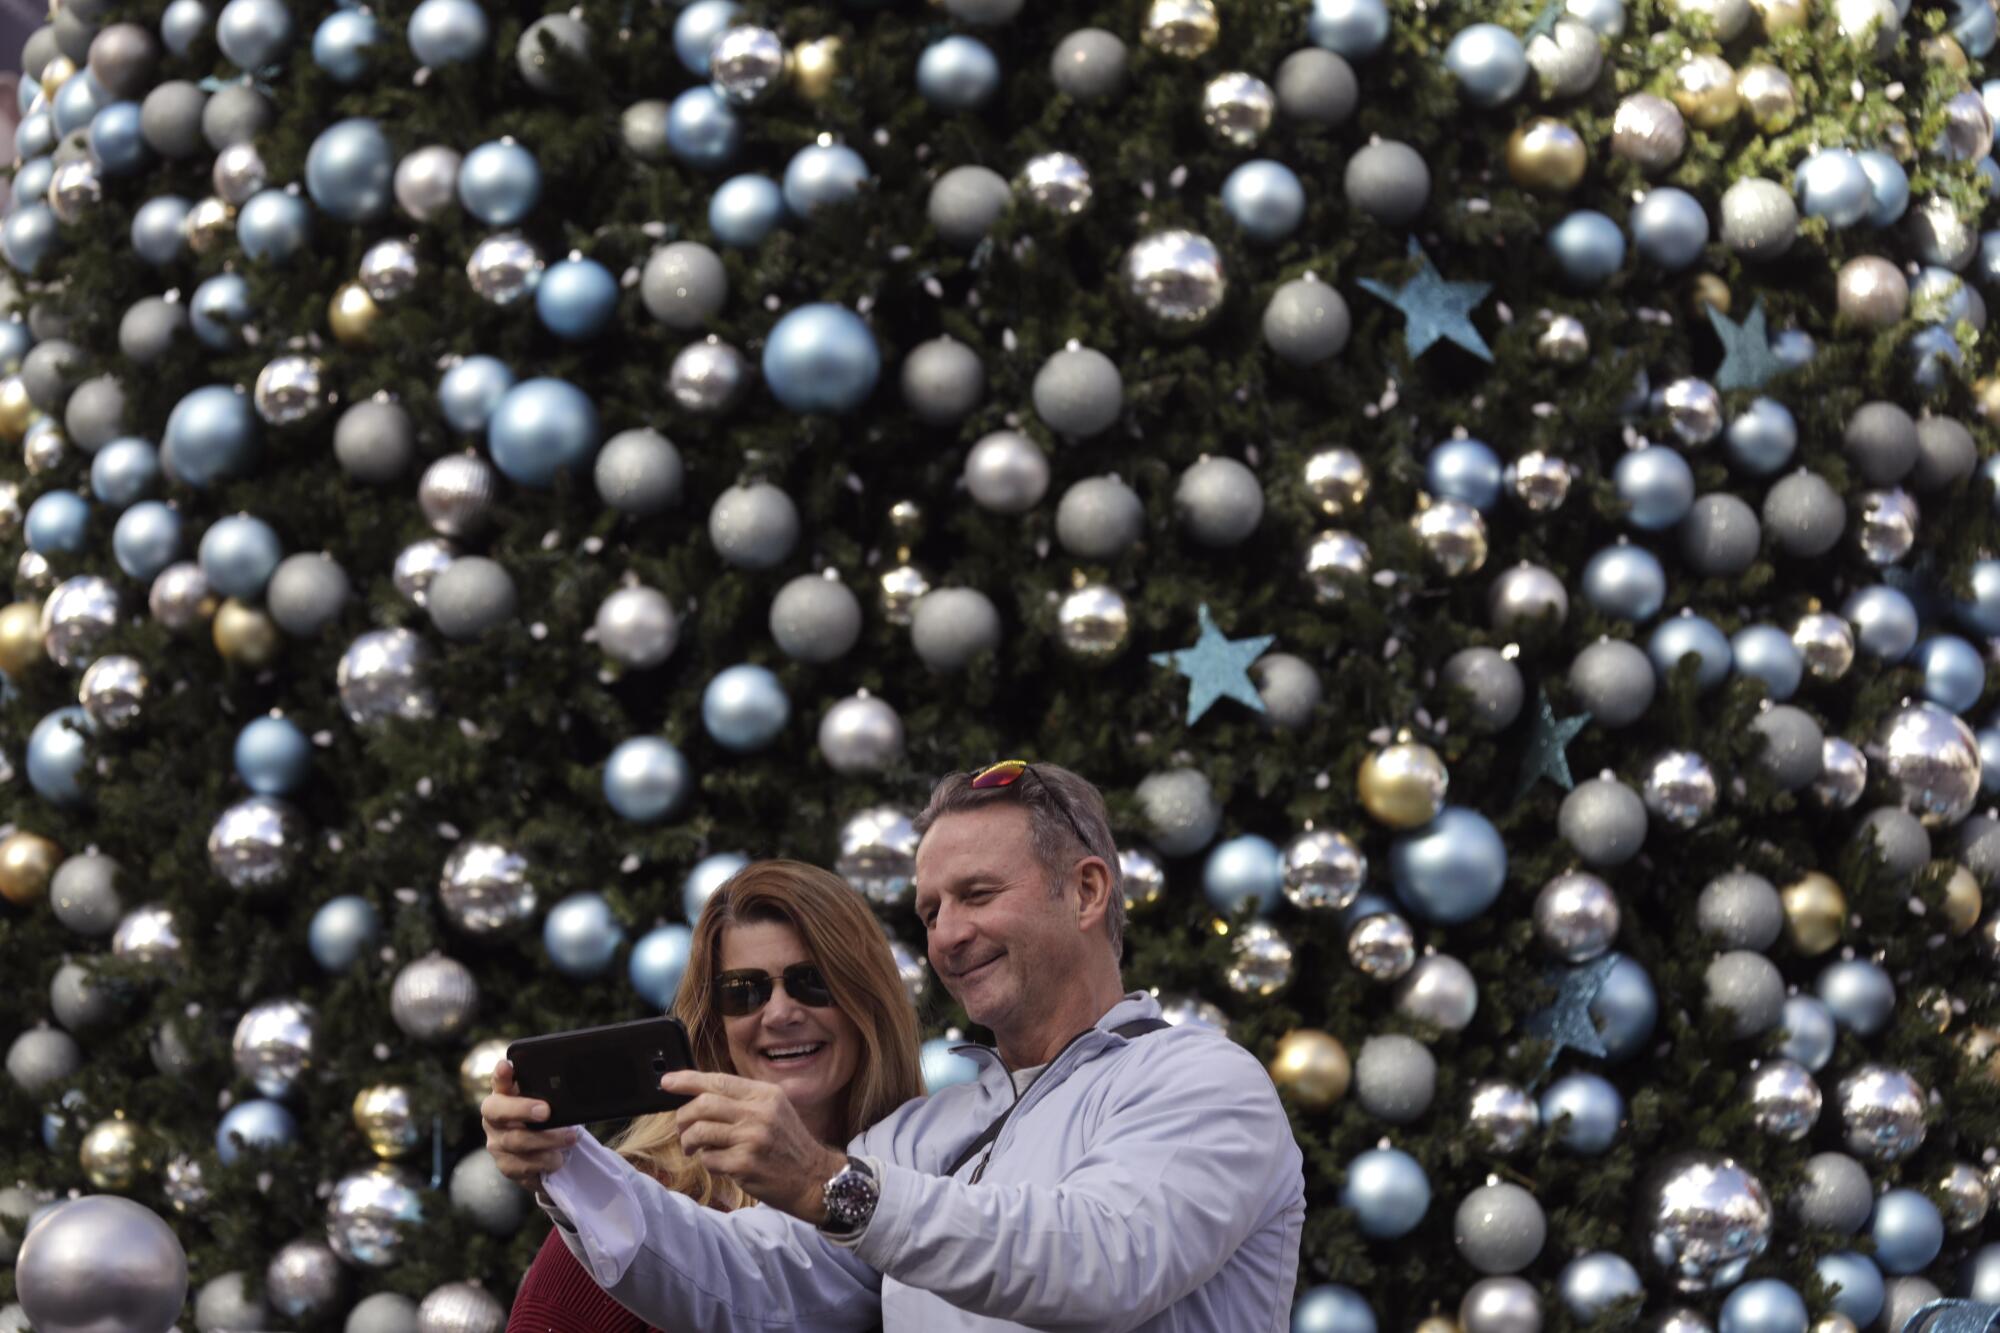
(789, 981)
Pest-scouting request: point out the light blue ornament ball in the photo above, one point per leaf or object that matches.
(499, 182)
(254, 34)
(219, 310)
(77, 103)
(1593, 1284)
(581, 935)
(341, 931)
(1387, 1191)
(340, 44)
(124, 470)
(1979, 1275)
(1935, 357)
(1855, 1283)
(709, 874)
(1678, 636)
(1625, 1010)
(238, 555)
(1954, 674)
(1625, 582)
(1832, 184)
(211, 433)
(273, 757)
(823, 174)
(1670, 228)
(28, 237)
(1767, 653)
(745, 209)
(576, 299)
(274, 225)
(942, 1067)
(703, 130)
(958, 73)
(744, 708)
(1907, 1230)
(542, 429)
(1986, 267)
(821, 358)
(1657, 486)
(57, 523)
(1588, 247)
(1884, 620)
(1940, 296)
(1809, 1034)
(350, 167)
(28, 95)
(1592, 1108)
(1365, 905)
(36, 135)
(1489, 63)
(1976, 26)
(1990, 471)
(31, 180)
(1794, 348)
(1451, 869)
(1352, 28)
(15, 340)
(1989, 175)
(115, 141)
(1989, 759)
(646, 778)
(1858, 994)
(182, 24)
(697, 27)
(1266, 199)
(146, 539)
(1765, 1305)
(1331, 1308)
(470, 391)
(446, 32)
(1246, 871)
(254, 1125)
(59, 755)
(157, 237)
(1465, 470)
(658, 961)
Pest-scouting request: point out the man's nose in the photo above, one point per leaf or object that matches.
(951, 930)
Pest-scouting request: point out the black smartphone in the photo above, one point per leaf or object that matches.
(605, 1073)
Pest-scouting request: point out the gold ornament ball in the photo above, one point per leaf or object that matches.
(352, 314)
(17, 411)
(20, 637)
(1403, 785)
(1986, 397)
(475, 1071)
(1438, 1323)
(1933, 1000)
(1780, 15)
(1710, 293)
(1337, 480)
(1313, 1067)
(1186, 29)
(1705, 91)
(244, 634)
(208, 225)
(27, 860)
(115, 1154)
(1546, 155)
(387, 1120)
(1815, 913)
(1962, 900)
(815, 65)
(1833, 1321)
(1944, 49)
(1768, 97)
(57, 72)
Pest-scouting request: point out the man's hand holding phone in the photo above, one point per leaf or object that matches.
(522, 1150)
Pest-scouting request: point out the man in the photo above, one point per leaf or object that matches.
(1143, 1177)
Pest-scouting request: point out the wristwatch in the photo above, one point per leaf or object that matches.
(850, 1198)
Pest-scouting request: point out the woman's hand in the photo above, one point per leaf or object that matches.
(523, 1153)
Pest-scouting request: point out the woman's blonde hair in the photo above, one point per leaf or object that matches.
(843, 937)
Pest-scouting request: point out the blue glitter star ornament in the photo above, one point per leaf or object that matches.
(1567, 1023)
(1747, 359)
(1217, 668)
(1547, 755)
(1545, 22)
(1434, 308)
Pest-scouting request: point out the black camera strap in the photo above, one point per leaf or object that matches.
(1138, 1027)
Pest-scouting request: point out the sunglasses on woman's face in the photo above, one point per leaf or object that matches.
(747, 991)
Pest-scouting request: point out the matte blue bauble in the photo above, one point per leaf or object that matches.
(77, 103)
(646, 778)
(1989, 759)
(1670, 228)
(1591, 1284)
(219, 309)
(1989, 175)
(471, 389)
(1246, 871)
(1352, 28)
(541, 429)
(274, 225)
(182, 24)
(239, 554)
(157, 237)
(744, 708)
(1979, 1275)
(1625, 582)
(255, 1124)
(822, 174)
(1976, 26)
(15, 340)
(697, 27)
(1265, 198)
(211, 433)
(350, 167)
(1986, 267)
(340, 44)
(1831, 184)
(1678, 636)
(446, 32)
(146, 539)
(1767, 653)
(499, 183)
(1451, 869)
(709, 874)
(115, 141)
(1855, 1283)
(703, 130)
(27, 94)
(1809, 1033)
(658, 961)
(253, 34)
(581, 935)
(1331, 1308)
(958, 73)
(942, 1067)
(36, 135)
(59, 755)
(1763, 1306)
(1907, 1231)
(342, 930)
(1858, 994)
(1884, 620)
(1387, 1191)
(745, 209)
(31, 181)
(57, 523)
(273, 757)
(1593, 1109)
(1588, 246)
(28, 237)
(1794, 348)
(1625, 1010)
(821, 358)
(1935, 357)
(1940, 296)
(1954, 673)
(1657, 486)
(1489, 63)
(1465, 470)
(576, 299)
(124, 470)
(1365, 905)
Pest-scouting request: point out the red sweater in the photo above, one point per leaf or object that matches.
(558, 1296)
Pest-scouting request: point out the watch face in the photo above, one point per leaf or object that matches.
(850, 1198)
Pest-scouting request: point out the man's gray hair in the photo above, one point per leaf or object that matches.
(1062, 806)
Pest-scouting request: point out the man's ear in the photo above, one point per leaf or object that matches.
(1093, 894)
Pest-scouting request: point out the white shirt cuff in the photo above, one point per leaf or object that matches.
(592, 1192)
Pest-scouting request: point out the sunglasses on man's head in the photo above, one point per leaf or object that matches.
(1010, 771)
(746, 991)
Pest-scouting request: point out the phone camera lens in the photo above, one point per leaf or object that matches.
(659, 1064)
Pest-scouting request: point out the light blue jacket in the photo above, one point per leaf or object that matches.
(1150, 1184)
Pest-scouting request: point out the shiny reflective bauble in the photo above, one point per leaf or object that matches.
(878, 855)
(352, 314)
(1563, 340)
(1312, 1067)
(1057, 182)
(485, 888)
(1382, 947)
(1525, 596)
(273, 1045)
(76, 619)
(1439, 991)
(1888, 525)
(1576, 916)
(1932, 758)
(1784, 1100)
(389, 269)
(1141, 877)
(1702, 1219)
(1453, 534)
(253, 1126)
(456, 494)
(381, 676)
(707, 376)
(303, 1278)
(504, 268)
(1333, 562)
(256, 844)
(1184, 29)
(747, 64)
(1176, 279)
(1705, 91)
(1826, 642)
(290, 389)
(1502, 1116)
(1680, 788)
(1965, 1195)
(475, 1071)
(1238, 108)
(370, 1214)
(387, 1119)
(1092, 622)
(1261, 960)
(115, 1154)
(1403, 785)
(1323, 869)
(1649, 132)
(433, 998)
(1337, 481)
(101, 1262)
(1843, 774)
(1881, 1113)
